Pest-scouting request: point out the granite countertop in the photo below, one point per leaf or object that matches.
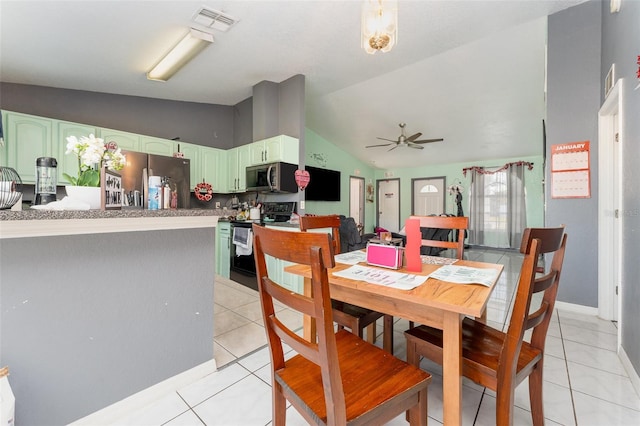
(33, 214)
(43, 223)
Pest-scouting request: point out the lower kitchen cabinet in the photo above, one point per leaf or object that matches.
(223, 249)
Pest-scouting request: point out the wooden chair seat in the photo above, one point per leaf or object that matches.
(481, 349)
(371, 377)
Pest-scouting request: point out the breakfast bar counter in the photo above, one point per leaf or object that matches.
(96, 306)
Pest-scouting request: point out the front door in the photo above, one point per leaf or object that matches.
(428, 196)
(389, 204)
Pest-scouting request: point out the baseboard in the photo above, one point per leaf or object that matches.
(112, 413)
(633, 374)
(578, 309)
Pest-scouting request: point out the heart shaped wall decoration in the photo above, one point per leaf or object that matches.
(302, 179)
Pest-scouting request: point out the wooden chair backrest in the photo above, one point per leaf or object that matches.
(329, 221)
(316, 250)
(459, 223)
(548, 240)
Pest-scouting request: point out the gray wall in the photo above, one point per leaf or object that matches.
(265, 110)
(88, 320)
(278, 108)
(243, 122)
(620, 45)
(573, 101)
(202, 124)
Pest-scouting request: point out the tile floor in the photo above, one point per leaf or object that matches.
(585, 382)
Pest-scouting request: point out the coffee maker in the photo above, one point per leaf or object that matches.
(46, 180)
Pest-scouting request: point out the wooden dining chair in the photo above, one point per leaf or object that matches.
(452, 223)
(353, 317)
(341, 379)
(498, 360)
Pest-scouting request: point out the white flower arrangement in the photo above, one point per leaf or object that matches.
(92, 154)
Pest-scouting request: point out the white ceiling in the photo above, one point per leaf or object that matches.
(471, 72)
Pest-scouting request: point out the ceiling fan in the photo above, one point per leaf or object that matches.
(403, 140)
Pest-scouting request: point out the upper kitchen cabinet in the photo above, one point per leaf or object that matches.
(194, 154)
(125, 141)
(278, 148)
(68, 163)
(158, 146)
(215, 168)
(27, 137)
(237, 160)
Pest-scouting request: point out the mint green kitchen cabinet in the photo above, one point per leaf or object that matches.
(68, 163)
(238, 159)
(278, 148)
(223, 249)
(194, 154)
(157, 146)
(214, 170)
(27, 137)
(126, 141)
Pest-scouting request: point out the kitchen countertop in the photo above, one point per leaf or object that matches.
(41, 223)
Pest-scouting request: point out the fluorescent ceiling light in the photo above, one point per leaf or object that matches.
(192, 44)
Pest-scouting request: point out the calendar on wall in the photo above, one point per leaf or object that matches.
(570, 170)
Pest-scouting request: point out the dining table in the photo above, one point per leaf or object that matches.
(436, 303)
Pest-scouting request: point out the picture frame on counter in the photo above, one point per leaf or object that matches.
(110, 189)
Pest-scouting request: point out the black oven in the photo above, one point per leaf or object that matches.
(242, 262)
(242, 265)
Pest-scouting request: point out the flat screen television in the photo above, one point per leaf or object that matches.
(324, 185)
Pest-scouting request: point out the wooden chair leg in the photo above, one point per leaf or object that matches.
(387, 334)
(371, 333)
(279, 405)
(504, 405)
(412, 354)
(417, 416)
(535, 395)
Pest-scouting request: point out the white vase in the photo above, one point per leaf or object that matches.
(86, 194)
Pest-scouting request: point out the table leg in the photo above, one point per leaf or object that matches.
(308, 324)
(452, 368)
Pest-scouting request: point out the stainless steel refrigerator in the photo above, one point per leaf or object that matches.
(139, 166)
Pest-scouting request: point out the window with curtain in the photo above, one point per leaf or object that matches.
(498, 214)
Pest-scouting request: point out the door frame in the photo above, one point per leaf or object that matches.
(378, 200)
(609, 227)
(361, 200)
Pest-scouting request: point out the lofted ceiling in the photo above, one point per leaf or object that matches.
(471, 72)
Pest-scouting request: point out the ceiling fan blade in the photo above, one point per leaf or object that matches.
(412, 145)
(393, 148)
(390, 140)
(373, 146)
(428, 140)
(412, 137)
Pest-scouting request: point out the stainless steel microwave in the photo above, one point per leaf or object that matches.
(272, 177)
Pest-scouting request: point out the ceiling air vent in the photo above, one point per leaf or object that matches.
(210, 18)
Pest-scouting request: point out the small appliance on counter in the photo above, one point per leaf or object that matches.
(46, 180)
(278, 212)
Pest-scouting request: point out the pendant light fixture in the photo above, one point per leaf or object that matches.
(186, 49)
(379, 25)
